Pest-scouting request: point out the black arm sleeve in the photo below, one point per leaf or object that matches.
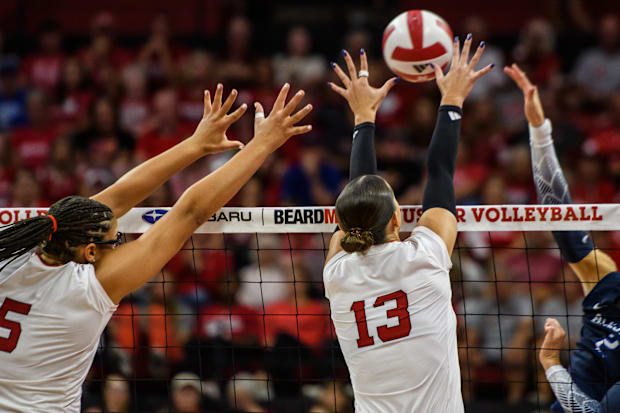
(441, 160)
(363, 159)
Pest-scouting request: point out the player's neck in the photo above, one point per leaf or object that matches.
(392, 237)
(48, 259)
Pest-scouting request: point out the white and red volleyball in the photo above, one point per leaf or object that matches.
(414, 39)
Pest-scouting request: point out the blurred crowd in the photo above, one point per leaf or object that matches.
(239, 323)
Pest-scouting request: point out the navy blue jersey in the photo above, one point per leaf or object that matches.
(595, 363)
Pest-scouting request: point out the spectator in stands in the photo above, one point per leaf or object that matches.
(103, 57)
(32, 143)
(263, 282)
(228, 335)
(27, 191)
(116, 396)
(298, 66)
(499, 329)
(335, 396)
(134, 108)
(186, 393)
(300, 316)
(197, 75)
(59, 177)
(167, 326)
(44, 67)
(156, 56)
(165, 129)
(13, 95)
(74, 95)
(486, 85)
(598, 69)
(591, 183)
(101, 143)
(235, 67)
(312, 181)
(536, 52)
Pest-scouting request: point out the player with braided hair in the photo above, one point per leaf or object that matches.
(62, 275)
(592, 383)
(375, 283)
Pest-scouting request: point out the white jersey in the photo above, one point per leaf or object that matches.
(51, 318)
(396, 326)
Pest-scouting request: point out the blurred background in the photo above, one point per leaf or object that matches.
(89, 90)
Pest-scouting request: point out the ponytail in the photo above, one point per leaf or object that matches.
(22, 236)
(70, 222)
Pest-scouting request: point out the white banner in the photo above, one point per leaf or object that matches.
(595, 217)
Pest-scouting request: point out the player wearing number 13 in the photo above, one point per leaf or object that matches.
(391, 300)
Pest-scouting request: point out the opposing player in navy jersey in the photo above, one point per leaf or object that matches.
(592, 382)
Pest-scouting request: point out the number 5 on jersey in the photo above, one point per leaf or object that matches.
(9, 343)
(385, 333)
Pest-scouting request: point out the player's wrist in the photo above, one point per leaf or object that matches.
(452, 100)
(550, 361)
(365, 116)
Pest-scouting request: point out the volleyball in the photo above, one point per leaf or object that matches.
(412, 40)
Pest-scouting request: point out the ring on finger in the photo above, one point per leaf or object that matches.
(362, 73)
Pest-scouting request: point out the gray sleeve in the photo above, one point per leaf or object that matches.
(569, 395)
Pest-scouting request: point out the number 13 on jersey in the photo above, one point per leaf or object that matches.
(385, 333)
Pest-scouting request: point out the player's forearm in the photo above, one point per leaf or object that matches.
(137, 184)
(569, 395)
(551, 188)
(441, 160)
(211, 193)
(363, 158)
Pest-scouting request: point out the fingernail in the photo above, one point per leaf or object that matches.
(492, 65)
(301, 92)
(431, 65)
(219, 85)
(396, 80)
(456, 39)
(255, 105)
(344, 52)
(234, 91)
(468, 36)
(481, 44)
(362, 51)
(332, 64)
(241, 146)
(205, 93)
(244, 106)
(329, 85)
(286, 85)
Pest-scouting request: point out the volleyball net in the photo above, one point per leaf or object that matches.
(239, 320)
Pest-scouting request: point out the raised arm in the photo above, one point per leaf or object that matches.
(130, 266)
(439, 203)
(589, 264)
(364, 101)
(209, 137)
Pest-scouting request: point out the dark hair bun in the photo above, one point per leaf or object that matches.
(357, 240)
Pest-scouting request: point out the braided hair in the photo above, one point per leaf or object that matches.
(76, 221)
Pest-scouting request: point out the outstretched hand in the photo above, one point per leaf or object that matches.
(279, 125)
(532, 106)
(458, 82)
(210, 134)
(549, 354)
(363, 99)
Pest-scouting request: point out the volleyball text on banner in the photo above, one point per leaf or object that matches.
(593, 217)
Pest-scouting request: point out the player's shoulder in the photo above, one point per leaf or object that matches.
(604, 295)
(429, 244)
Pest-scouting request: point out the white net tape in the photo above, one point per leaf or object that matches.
(590, 217)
